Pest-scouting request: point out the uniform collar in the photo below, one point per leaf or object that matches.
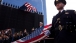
(62, 10)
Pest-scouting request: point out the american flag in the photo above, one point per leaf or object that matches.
(30, 7)
(35, 36)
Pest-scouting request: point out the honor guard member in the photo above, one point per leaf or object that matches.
(64, 24)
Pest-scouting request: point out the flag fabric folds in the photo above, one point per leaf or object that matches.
(30, 7)
(35, 36)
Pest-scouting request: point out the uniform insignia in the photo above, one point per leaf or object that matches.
(60, 27)
(58, 19)
(74, 25)
(59, 22)
(70, 31)
(56, 0)
(66, 13)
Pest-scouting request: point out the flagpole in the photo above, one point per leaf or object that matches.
(42, 7)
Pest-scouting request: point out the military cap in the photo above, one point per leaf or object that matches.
(58, 1)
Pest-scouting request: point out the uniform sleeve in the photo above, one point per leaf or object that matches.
(52, 28)
(74, 17)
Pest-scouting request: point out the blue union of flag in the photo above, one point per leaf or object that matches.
(35, 36)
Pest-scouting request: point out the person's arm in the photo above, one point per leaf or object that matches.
(52, 28)
(74, 17)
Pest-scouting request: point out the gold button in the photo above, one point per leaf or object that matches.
(59, 22)
(74, 25)
(58, 19)
(70, 31)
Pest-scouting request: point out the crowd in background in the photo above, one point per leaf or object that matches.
(8, 36)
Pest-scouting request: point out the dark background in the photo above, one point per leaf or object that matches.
(18, 19)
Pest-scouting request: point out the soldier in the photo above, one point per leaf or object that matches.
(64, 24)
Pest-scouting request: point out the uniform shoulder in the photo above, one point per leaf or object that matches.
(70, 11)
(54, 15)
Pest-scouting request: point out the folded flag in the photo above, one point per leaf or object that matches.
(35, 36)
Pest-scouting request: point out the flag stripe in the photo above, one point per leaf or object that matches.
(30, 7)
(36, 35)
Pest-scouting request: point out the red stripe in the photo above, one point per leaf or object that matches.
(29, 5)
(35, 38)
(47, 25)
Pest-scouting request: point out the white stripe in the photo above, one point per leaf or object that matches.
(38, 39)
(14, 42)
(28, 5)
(20, 40)
(44, 30)
(47, 28)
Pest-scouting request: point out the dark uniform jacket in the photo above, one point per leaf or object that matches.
(64, 26)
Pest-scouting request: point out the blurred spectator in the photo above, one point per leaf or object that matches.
(5, 39)
(15, 37)
(6, 36)
(33, 29)
(0, 32)
(21, 34)
(0, 39)
(40, 24)
(25, 33)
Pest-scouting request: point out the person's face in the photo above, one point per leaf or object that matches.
(41, 24)
(60, 6)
